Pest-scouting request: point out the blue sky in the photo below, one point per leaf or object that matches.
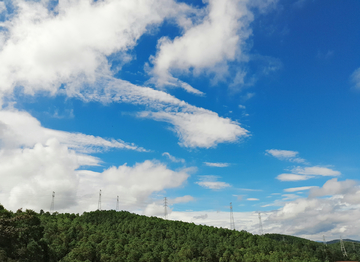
(205, 103)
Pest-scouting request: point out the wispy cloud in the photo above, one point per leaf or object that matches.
(252, 199)
(212, 183)
(249, 189)
(173, 159)
(295, 189)
(285, 155)
(305, 173)
(355, 79)
(22, 129)
(217, 164)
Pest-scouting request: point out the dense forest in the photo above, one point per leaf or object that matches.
(123, 236)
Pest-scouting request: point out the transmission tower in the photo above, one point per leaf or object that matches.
(117, 203)
(324, 241)
(165, 207)
(52, 206)
(232, 223)
(261, 231)
(343, 250)
(99, 203)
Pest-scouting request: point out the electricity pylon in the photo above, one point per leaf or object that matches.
(52, 206)
(99, 202)
(342, 246)
(117, 203)
(261, 230)
(232, 222)
(165, 207)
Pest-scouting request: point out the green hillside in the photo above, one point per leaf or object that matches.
(122, 236)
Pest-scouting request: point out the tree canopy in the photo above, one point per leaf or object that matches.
(123, 236)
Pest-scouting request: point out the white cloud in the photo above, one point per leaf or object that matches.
(36, 172)
(39, 170)
(19, 128)
(44, 49)
(141, 180)
(2, 7)
(217, 164)
(200, 128)
(66, 52)
(292, 177)
(316, 170)
(305, 173)
(212, 183)
(289, 196)
(205, 216)
(208, 45)
(312, 217)
(285, 155)
(335, 187)
(252, 199)
(355, 78)
(173, 159)
(295, 189)
(183, 199)
(249, 189)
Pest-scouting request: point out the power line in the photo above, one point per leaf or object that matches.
(99, 202)
(232, 222)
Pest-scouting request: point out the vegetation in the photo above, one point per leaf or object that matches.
(122, 236)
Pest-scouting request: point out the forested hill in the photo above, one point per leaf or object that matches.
(122, 236)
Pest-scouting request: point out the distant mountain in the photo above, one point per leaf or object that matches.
(345, 240)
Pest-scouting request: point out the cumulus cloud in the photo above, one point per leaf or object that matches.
(37, 171)
(285, 155)
(355, 78)
(141, 180)
(312, 218)
(66, 52)
(330, 210)
(44, 49)
(2, 7)
(217, 164)
(208, 45)
(305, 173)
(173, 159)
(19, 128)
(335, 187)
